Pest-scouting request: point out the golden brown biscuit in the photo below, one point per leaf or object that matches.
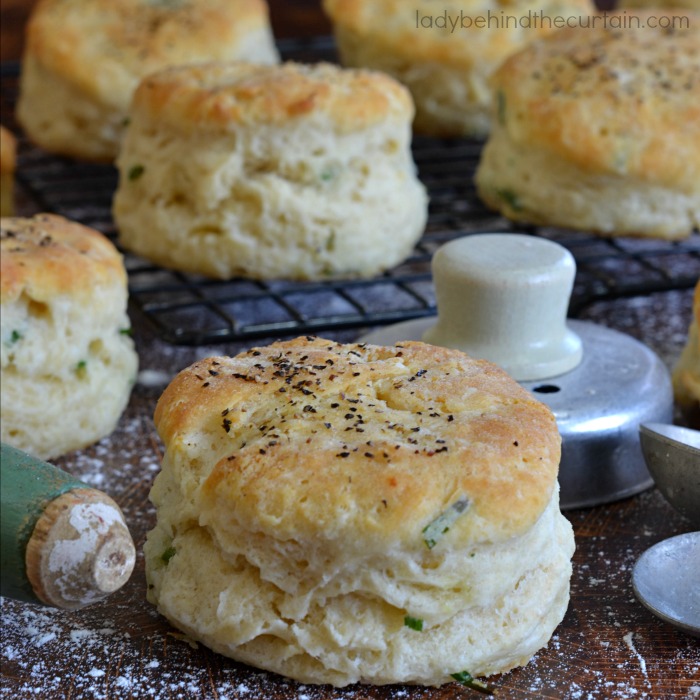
(84, 59)
(599, 129)
(319, 502)
(686, 373)
(8, 158)
(443, 52)
(289, 171)
(68, 364)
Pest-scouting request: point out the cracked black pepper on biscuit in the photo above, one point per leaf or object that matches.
(598, 128)
(355, 513)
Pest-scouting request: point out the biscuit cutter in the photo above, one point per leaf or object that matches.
(504, 297)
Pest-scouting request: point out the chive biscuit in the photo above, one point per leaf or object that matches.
(686, 373)
(84, 59)
(8, 162)
(355, 513)
(294, 171)
(68, 363)
(444, 52)
(599, 129)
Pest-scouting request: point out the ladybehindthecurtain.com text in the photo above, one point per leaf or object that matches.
(453, 21)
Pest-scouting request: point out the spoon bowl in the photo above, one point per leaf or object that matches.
(665, 580)
(672, 455)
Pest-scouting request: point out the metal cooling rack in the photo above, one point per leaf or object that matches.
(192, 310)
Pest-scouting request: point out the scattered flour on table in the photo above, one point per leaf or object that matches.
(629, 641)
(125, 450)
(154, 378)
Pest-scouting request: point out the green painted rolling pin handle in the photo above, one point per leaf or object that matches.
(63, 543)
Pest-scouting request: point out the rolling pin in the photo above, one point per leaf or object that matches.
(63, 543)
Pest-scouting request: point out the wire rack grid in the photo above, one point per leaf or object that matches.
(192, 310)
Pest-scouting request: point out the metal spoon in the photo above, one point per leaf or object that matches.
(666, 578)
(672, 455)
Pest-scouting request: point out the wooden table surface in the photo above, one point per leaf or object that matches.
(608, 645)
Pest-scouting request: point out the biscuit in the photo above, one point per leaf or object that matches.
(356, 513)
(293, 171)
(443, 52)
(599, 129)
(686, 373)
(84, 59)
(68, 363)
(8, 157)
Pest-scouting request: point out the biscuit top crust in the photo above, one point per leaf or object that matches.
(617, 101)
(8, 151)
(361, 444)
(425, 30)
(48, 255)
(103, 45)
(221, 95)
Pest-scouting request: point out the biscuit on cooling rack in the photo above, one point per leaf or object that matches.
(444, 52)
(84, 59)
(68, 363)
(599, 129)
(293, 171)
(356, 513)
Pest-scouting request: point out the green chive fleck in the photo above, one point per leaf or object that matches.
(135, 172)
(511, 199)
(15, 336)
(81, 367)
(126, 331)
(168, 554)
(438, 527)
(327, 175)
(466, 679)
(414, 623)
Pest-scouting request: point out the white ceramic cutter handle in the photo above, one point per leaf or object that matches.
(504, 297)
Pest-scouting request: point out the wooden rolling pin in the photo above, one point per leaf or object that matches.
(63, 543)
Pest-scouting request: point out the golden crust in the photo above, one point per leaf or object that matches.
(363, 444)
(397, 25)
(101, 45)
(219, 94)
(49, 255)
(623, 102)
(8, 151)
